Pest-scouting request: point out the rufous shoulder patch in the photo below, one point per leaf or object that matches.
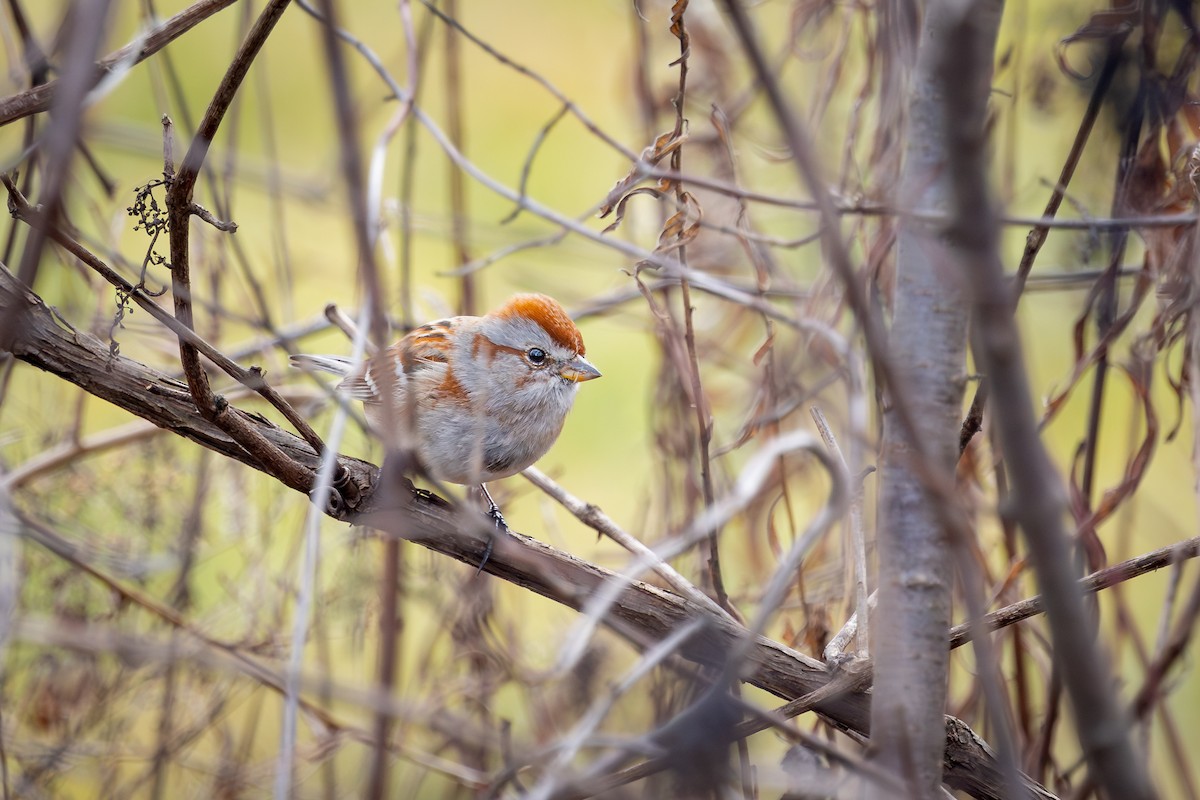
(450, 388)
(425, 345)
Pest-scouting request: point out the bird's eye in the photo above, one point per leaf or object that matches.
(537, 356)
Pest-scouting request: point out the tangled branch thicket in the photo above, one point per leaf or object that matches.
(737, 574)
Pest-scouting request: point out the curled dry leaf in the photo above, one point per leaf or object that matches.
(620, 216)
(666, 144)
(679, 31)
(682, 226)
(1108, 24)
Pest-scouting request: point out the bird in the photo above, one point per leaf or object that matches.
(475, 399)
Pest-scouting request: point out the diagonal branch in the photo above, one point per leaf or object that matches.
(1098, 581)
(642, 614)
(39, 98)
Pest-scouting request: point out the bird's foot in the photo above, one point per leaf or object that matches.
(497, 519)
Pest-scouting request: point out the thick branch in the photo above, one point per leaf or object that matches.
(928, 352)
(643, 613)
(50, 344)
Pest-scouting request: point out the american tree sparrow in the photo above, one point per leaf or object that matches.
(483, 397)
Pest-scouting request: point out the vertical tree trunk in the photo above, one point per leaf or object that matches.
(928, 349)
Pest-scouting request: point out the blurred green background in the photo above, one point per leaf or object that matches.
(277, 159)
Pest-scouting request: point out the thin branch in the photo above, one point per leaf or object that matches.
(595, 518)
(39, 98)
(858, 545)
(1096, 582)
(84, 33)
(1037, 501)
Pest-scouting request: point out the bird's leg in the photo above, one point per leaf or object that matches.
(498, 519)
(493, 509)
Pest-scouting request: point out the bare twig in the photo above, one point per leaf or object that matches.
(84, 33)
(858, 545)
(592, 516)
(40, 97)
(1096, 582)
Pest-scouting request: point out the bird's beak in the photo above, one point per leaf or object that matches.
(579, 370)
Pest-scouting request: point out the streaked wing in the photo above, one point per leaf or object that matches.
(421, 348)
(426, 345)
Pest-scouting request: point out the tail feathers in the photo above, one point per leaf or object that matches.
(356, 380)
(338, 365)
